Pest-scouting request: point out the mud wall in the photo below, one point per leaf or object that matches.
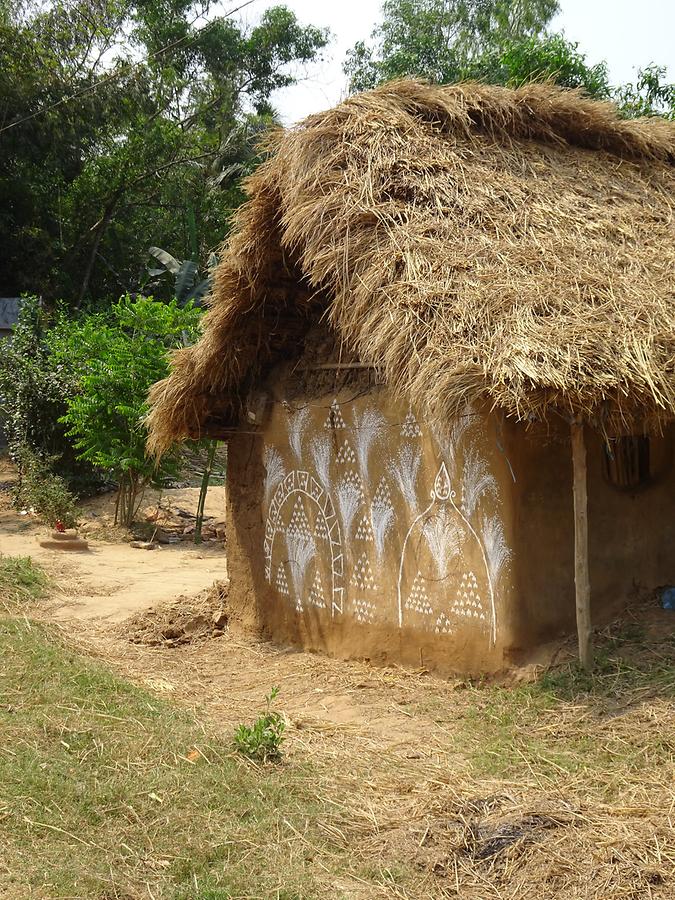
(361, 530)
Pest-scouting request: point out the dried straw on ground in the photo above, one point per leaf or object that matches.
(472, 243)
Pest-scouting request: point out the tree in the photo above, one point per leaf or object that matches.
(497, 42)
(439, 39)
(119, 357)
(121, 122)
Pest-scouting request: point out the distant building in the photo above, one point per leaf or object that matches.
(9, 314)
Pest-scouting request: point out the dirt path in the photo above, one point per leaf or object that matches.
(112, 581)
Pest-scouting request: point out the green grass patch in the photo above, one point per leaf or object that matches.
(21, 580)
(572, 722)
(109, 792)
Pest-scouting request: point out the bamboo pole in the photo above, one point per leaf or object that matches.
(581, 575)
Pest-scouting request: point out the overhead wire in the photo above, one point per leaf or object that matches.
(186, 40)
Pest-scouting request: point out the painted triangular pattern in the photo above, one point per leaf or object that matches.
(362, 574)
(444, 625)
(382, 494)
(320, 530)
(335, 418)
(316, 595)
(418, 600)
(467, 603)
(346, 453)
(364, 611)
(299, 523)
(410, 428)
(282, 581)
(364, 532)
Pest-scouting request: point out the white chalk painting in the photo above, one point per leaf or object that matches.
(334, 535)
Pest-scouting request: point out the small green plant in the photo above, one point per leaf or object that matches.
(43, 491)
(263, 740)
(21, 579)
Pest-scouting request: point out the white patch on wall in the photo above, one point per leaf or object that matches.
(297, 425)
(362, 574)
(299, 524)
(301, 551)
(368, 429)
(405, 470)
(335, 418)
(409, 427)
(364, 531)
(346, 453)
(364, 611)
(321, 451)
(418, 599)
(349, 495)
(275, 470)
(382, 516)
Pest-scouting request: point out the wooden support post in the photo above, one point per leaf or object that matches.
(581, 575)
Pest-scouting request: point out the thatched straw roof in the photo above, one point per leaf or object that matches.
(472, 243)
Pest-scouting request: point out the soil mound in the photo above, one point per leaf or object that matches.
(183, 620)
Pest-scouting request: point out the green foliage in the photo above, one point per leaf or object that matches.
(649, 96)
(42, 490)
(21, 580)
(188, 286)
(496, 42)
(33, 396)
(440, 40)
(119, 358)
(153, 143)
(263, 740)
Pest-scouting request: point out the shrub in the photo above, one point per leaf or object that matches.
(263, 740)
(119, 357)
(34, 392)
(41, 489)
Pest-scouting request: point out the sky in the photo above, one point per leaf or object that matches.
(626, 33)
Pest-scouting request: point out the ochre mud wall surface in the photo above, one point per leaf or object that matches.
(372, 534)
(360, 530)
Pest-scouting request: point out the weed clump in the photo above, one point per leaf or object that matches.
(21, 579)
(262, 741)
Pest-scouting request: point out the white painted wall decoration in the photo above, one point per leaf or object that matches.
(327, 531)
(410, 428)
(335, 418)
(297, 425)
(382, 516)
(405, 469)
(300, 482)
(275, 470)
(321, 452)
(349, 495)
(369, 426)
(346, 453)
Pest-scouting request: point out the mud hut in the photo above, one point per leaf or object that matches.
(441, 346)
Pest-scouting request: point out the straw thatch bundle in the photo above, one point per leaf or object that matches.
(472, 243)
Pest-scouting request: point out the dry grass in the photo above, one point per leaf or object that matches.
(471, 243)
(422, 788)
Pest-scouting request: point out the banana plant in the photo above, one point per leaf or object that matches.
(188, 285)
